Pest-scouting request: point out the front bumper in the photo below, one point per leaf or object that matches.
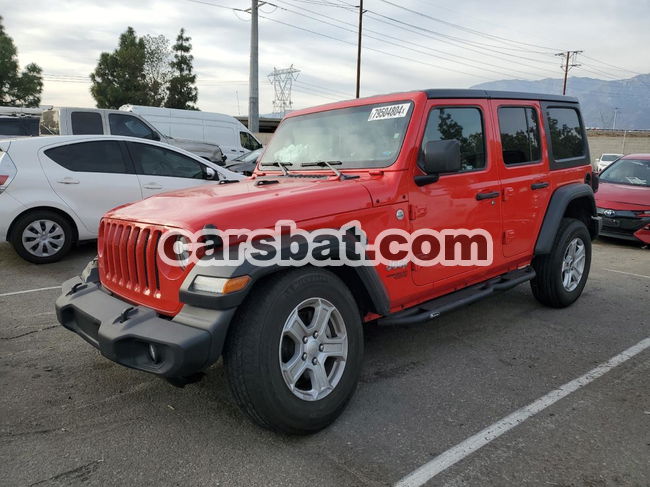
(124, 333)
(624, 224)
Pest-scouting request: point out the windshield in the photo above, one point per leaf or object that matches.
(633, 172)
(358, 137)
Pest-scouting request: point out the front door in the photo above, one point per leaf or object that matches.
(468, 199)
(523, 172)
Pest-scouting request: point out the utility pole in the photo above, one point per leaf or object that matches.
(253, 83)
(359, 47)
(568, 62)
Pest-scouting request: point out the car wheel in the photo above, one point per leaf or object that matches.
(294, 353)
(562, 274)
(42, 236)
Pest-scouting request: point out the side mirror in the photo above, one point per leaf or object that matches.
(210, 174)
(440, 156)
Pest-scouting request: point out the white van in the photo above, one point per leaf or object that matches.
(214, 128)
(97, 121)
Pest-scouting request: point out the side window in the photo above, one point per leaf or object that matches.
(519, 135)
(566, 133)
(86, 123)
(98, 156)
(11, 126)
(129, 126)
(464, 124)
(158, 161)
(248, 141)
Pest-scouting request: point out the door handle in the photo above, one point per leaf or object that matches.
(535, 186)
(487, 196)
(68, 181)
(152, 186)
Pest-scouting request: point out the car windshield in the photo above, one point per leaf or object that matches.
(367, 136)
(633, 172)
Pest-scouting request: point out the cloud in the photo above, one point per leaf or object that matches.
(67, 37)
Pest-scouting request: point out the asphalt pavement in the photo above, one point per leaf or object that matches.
(68, 416)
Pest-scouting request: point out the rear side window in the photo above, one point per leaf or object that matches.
(464, 124)
(519, 130)
(99, 156)
(86, 123)
(11, 126)
(248, 141)
(158, 161)
(566, 133)
(129, 125)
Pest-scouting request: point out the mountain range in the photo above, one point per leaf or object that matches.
(622, 104)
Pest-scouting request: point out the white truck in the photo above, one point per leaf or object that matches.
(98, 121)
(216, 128)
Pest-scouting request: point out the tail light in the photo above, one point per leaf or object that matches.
(7, 171)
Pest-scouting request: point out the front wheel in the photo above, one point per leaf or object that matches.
(562, 274)
(294, 354)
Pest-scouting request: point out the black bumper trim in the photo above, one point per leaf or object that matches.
(186, 344)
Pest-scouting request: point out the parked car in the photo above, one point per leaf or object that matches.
(54, 190)
(623, 198)
(97, 121)
(246, 163)
(292, 337)
(214, 128)
(605, 160)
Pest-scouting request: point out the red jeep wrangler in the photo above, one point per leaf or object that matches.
(514, 166)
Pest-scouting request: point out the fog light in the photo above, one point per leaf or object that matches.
(153, 353)
(219, 285)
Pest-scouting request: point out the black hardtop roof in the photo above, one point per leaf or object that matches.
(501, 95)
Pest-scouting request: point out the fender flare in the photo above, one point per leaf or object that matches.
(555, 211)
(365, 276)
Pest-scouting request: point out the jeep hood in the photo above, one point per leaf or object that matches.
(248, 204)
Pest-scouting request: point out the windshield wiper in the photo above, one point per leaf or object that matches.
(281, 165)
(330, 165)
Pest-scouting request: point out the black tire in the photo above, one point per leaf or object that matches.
(548, 285)
(60, 246)
(252, 355)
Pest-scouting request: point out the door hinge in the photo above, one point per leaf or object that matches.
(508, 236)
(508, 192)
(417, 211)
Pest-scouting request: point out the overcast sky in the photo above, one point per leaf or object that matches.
(403, 49)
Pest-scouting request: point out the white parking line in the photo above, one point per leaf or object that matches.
(455, 454)
(30, 291)
(628, 273)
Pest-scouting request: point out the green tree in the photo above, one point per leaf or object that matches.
(182, 92)
(119, 76)
(157, 69)
(16, 88)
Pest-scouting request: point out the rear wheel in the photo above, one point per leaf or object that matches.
(294, 354)
(42, 236)
(562, 274)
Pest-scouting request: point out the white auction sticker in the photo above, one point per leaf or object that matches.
(391, 111)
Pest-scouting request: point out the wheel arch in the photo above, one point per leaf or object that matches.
(58, 211)
(570, 201)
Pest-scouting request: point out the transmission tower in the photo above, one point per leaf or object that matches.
(282, 81)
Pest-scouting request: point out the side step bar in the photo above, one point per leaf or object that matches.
(429, 310)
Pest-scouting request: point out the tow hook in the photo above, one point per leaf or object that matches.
(124, 315)
(77, 287)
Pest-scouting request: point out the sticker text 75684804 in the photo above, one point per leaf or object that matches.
(391, 111)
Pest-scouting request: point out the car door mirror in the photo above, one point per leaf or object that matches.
(440, 156)
(210, 174)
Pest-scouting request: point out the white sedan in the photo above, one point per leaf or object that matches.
(54, 190)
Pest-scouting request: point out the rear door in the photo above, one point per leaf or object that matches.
(160, 169)
(91, 177)
(524, 173)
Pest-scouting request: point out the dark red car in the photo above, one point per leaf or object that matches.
(623, 198)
